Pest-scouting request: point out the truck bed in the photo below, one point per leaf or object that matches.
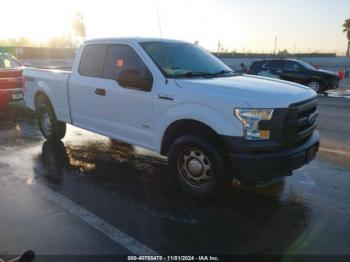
(54, 83)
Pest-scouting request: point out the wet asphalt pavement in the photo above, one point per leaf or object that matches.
(90, 195)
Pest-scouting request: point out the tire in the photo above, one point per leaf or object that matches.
(52, 129)
(197, 166)
(315, 85)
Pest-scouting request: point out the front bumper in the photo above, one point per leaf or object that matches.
(14, 94)
(263, 167)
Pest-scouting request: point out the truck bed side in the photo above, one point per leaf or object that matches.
(52, 83)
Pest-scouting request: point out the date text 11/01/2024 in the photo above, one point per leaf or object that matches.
(173, 258)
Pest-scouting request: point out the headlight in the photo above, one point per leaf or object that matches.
(250, 119)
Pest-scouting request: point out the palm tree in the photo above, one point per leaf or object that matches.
(346, 29)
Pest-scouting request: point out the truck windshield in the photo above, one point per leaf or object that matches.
(185, 60)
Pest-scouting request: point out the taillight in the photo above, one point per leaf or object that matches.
(341, 75)
(23, 83)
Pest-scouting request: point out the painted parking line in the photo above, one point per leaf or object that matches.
(96, 222)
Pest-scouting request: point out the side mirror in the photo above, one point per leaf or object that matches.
(27, 65)
(133, 79)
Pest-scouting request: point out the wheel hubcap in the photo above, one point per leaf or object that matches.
(195, 167)
(314, 85)
(46, 123)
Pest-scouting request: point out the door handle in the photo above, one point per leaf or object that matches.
(165, 97)
(100, 92)
(279, 71)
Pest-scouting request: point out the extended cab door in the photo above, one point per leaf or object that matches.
(84, 81)
(124, 101)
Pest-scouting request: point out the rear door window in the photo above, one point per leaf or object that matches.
(291, 66)
(92, 59)
(273, 65)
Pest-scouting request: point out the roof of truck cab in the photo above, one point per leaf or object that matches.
(132, 39)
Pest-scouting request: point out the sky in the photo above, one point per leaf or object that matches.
(241, 25)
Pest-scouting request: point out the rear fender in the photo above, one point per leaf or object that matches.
(61, 113)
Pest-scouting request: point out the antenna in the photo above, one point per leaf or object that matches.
(159, 24)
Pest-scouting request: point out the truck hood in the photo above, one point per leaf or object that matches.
(257, 92)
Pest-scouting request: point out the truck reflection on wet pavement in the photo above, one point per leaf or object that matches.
(131, 189)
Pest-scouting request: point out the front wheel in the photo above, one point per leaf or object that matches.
(52, 129)
(197, 166)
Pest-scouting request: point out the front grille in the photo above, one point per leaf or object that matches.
(301, 121)
(291, 126)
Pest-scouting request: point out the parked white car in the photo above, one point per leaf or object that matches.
(177, 99)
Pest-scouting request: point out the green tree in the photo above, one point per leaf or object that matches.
(78, 25)
(346, 29)
(22, 42)
(283, 52)
(61, 41)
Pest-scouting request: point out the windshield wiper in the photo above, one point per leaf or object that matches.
(223, 72)
(203, 74)
(194, 74)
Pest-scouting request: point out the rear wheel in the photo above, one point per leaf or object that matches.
(197, 166)
(52, 129)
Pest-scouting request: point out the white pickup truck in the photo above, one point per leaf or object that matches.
(177, 99)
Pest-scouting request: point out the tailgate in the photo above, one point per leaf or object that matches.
(10, 79)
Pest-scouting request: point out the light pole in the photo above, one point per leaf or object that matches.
(159, 24)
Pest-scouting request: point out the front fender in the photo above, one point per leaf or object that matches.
(221, 124)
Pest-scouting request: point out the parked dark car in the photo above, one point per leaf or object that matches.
(296, 71)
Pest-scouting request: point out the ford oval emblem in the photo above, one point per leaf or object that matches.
(312, 118)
